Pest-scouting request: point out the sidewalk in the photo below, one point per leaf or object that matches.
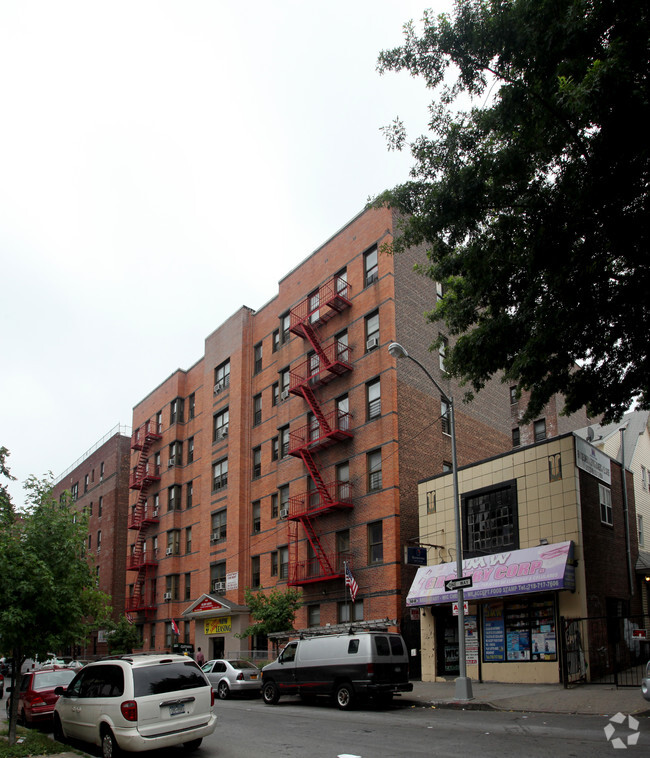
(594, 699)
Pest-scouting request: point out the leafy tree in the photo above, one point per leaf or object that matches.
(272, 612)
(47, 587)
(531, 194)
(122, 636)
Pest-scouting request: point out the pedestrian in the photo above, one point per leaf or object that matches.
(200, 658)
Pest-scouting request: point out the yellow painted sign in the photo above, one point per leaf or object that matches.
(221, 625)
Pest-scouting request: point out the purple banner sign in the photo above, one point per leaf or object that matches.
(534, 569)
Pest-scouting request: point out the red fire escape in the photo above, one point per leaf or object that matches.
(322, 366)
(143, 515)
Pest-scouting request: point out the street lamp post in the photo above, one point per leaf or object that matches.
(463, 683)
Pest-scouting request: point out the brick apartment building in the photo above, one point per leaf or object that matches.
(295, 444)
(99, 484)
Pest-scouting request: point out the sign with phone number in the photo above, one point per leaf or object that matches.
(221, 625)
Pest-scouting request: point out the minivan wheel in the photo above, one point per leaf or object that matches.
(110, 748)
(344, 696)
(57, 729)
(223, 690)
(270, 693)
(193, 744)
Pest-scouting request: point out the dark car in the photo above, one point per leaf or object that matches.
(36, 698)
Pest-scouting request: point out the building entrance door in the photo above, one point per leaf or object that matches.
(217, 647)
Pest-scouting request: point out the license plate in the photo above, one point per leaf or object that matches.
(176, 708)
(253, 676)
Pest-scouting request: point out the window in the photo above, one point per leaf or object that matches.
(442, 351)
(174, 498)
(101, 471)
(100, 506)
(274, 563)
(313, 306)
(313, 615)
(445, 422)
(222, 377)
(86, 483)
(516, 437)
(639, 529)
(513, 395)
(257, 358)
(191, 406)
(605, 495)
(372, 331)
(284, 498)
(313, 427)
(540, 430)
(519, 630)
(188, 586)
(255, 572)
(373, 465)
(285, 323)
(220, 474)
(257, 410)
(74, 490)
(314, 363)
(284, 562)
(274, 505)
(257, 517)
(342, 548)
(218, 577)
(220, 425)
(275, 393)
(188, 539)
(375, 543)
(341, 285)
(343, 481)
(90, 508)
(257, 462)
(370, 267)
(441, 290)
(644, 477)
(342, 413)
(190, 450)
(276, 340)
(275, 448)
(350, 612)
(373, 399)
(490, 520)
(342, 349)
(175, 454)
(176, 411)
(99, 540)
(189, 494)
(284, 441)
(173, 542)
(285, 379)
(90, 541)
(155, 503)
(171, 585)
(219, 524)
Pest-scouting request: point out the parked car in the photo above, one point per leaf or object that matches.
(233, 677)
(343, 666)
(36, 696)
(137, 703)
(645, 682)
(2, 686)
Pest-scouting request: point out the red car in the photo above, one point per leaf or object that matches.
(36, 698)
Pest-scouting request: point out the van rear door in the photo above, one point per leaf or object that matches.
(390, 659)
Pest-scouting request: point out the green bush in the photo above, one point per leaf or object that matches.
(32, 742)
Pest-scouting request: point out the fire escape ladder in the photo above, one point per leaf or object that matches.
(321, 556)
(311, 335)
(308, 394)
(315, 475)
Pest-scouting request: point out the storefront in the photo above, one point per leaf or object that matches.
(217, 622)
(512, 613)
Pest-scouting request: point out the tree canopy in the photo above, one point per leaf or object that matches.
(271, 612)
(532, 199)
(48, 592)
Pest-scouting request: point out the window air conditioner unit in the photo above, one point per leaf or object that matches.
(171, 462)
(170, 551)
(215, 537)
(284, 512)
(284, 394)
(224, 432)
(155, 513)
(167, 596)
(372, 343)
(218, 586)
(218, 387)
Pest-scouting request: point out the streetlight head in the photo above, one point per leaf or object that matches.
(397, 351)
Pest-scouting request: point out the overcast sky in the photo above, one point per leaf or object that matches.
(161, 165)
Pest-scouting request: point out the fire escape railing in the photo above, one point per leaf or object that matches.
(324, 365)
(142, 517)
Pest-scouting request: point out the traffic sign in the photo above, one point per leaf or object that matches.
(458, 584)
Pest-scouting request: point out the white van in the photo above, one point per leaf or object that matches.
(345, 666)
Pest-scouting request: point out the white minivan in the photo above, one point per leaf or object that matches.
(136, 703)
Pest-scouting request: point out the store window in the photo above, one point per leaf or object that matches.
(521, 630)
(490, 520)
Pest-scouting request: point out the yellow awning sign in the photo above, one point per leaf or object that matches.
(221, 625)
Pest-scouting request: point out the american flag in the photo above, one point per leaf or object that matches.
(175, 628)
(350, 582)
(129, 618)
